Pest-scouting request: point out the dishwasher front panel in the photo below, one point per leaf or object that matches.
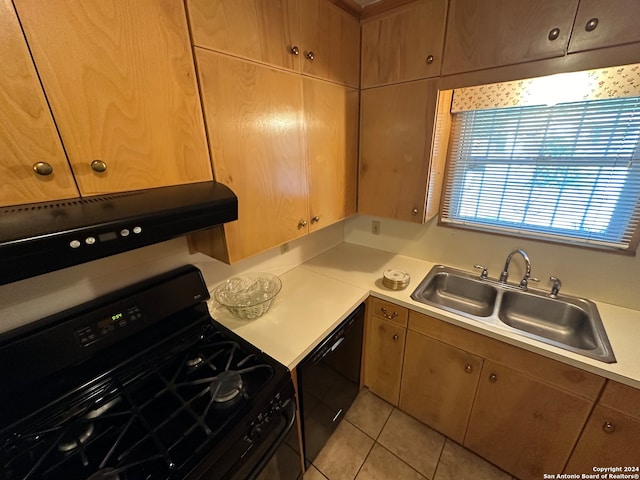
(329, 381)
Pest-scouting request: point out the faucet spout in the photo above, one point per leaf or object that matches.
(505, 271)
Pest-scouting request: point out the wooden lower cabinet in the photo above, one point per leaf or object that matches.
(611, 435)
(523, 425)
(438, 384)
(523, 412)
(384, 340)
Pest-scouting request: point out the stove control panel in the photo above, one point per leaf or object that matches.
(96, 331)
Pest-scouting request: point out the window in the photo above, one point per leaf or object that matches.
(568, 173)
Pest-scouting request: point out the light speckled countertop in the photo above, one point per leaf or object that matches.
(317, 295)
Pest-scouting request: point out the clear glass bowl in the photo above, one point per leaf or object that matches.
(248, 296)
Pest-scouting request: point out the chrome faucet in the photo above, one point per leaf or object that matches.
(524, 283)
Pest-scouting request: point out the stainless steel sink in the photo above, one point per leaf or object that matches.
(458, 293)
(566, 322)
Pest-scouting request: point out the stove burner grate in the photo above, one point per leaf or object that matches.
(147, 421)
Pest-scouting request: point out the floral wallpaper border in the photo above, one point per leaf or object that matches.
(612, 82)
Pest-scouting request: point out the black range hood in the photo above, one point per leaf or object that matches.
(43, 237)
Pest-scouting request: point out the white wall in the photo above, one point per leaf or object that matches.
(32, 299)
(608, 277)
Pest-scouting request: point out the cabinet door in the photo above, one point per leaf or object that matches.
(522, 425)
(28, 134)
(396, 128)
(605, 24)
(438, 384)
(261, 30)
(120, 79)
(610, 438)
(404, 45)
(331, 123)
(491, 33)
(330, 42)
(254, 118)
(384, 349)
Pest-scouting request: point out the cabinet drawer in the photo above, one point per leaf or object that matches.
(389, 311)
(621, 397)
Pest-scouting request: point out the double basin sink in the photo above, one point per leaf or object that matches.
(566, 322)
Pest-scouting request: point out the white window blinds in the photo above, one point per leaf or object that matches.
(568, 172)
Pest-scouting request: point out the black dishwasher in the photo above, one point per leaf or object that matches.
(329, 381)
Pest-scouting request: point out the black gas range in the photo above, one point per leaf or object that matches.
(139, 384)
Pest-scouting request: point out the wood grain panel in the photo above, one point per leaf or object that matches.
(395, 47)
(490, 33)
(120, 78)
(439, 384)
(395, 146)
(331, 125)
(550, 371)
(334, 38)
(384, 350)
(27, 132)
(261, 30)
(617, 24)
(621, 397)
(254, 119)
(389, 311)
(524, 426)
(616, 446)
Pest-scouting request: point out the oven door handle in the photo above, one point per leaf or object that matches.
(289, 412)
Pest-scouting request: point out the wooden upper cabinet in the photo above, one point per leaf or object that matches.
(330, 42)
(399, 164)
(254, 118)
(261, 30)
(331, 123)
(404, 45)
(28, 134)
(490, 33)
(120, 78)
(605, 24)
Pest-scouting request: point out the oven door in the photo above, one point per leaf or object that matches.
(262, 452)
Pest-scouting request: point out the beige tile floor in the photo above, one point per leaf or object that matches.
(376, 441)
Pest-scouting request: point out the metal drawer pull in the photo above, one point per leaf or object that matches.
(98, 166)
(395, 337)
(384, 312)
(468, 368)
(608, 427)
(294, 50)
(554, 34)
(493, 378)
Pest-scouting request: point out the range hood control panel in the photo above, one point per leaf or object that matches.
(105, 237)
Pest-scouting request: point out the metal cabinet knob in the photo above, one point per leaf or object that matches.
(395, 337)
(468, 368)
(387, 315)
(608, 427)
(315, 219)
(554, 34)
(98, 166)
(493, 378)
(430, 59)
(294, 50)
(42, 168)
(302, 223)
(591, 24)
(414, 211)
(310, 56)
